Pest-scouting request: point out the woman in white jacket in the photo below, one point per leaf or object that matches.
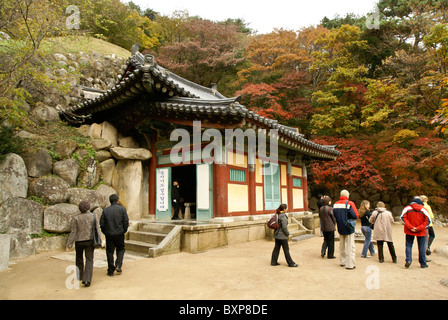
(382, 220)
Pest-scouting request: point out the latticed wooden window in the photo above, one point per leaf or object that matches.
(297, 182)
(272, 194)
(237, 175)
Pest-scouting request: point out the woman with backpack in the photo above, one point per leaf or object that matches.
(281, 238)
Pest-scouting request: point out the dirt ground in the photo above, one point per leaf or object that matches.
(239, 272)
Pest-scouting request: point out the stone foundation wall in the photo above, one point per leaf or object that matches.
(234, 230)
(205, 237)
(40, 194)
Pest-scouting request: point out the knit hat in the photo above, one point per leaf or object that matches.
(417, 201)
(326, 200)
(84, 206)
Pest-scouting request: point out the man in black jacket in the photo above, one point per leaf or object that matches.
(114, 224)
(175, 199)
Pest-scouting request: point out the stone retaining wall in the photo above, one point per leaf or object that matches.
(41, 194)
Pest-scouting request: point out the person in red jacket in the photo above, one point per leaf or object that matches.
(416, 221)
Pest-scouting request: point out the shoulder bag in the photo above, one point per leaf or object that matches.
(273, 222)
(350, 224)
(372, 225)
(97, 243)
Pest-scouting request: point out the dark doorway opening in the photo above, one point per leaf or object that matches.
(186, 177)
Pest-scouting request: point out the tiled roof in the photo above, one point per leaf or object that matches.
(165, 94)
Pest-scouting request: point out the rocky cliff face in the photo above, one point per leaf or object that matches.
(42, 187)
(77, 71)
(43, 194)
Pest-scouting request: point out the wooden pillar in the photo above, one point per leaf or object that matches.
(305, 188)
(252, 192)
(220, 195)
(290, 186)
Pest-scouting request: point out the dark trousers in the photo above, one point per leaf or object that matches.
(431, 236)
(421, 242)
(380, 245)
(112, 243)
(275, 253)
(176, 206)
(328, 244)
(84, 271)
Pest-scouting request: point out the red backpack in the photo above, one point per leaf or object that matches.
(273, 222)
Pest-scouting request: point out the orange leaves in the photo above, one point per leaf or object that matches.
(284, 50)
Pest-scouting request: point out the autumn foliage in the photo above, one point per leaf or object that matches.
(410, 165)
(379, 94)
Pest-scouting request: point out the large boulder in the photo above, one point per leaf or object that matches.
(109, 133)
(95, 131)
(66, 148)
(5, 244)
(19, 213)
(131, 154)
(44, 113)
(21, 244)
(94, 197)
(84, 129)
(57, 218)
(107, 192)
(107, 171)
(50, 189)
(100, 144)
(68, 170)
(13, 177)
(90, 176)
(127, 181)
(38, 163)
(103, 155)
(443, 251)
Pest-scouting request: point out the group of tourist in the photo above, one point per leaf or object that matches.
(416, 217)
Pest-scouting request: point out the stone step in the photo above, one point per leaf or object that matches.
(138, 246)
(302, 237)
(155, 227)
(148, 237)
(296, 233)
(293, 227)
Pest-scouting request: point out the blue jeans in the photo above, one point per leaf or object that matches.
(421, 241)
(368, 245)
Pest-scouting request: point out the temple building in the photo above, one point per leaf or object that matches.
(217, 179)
